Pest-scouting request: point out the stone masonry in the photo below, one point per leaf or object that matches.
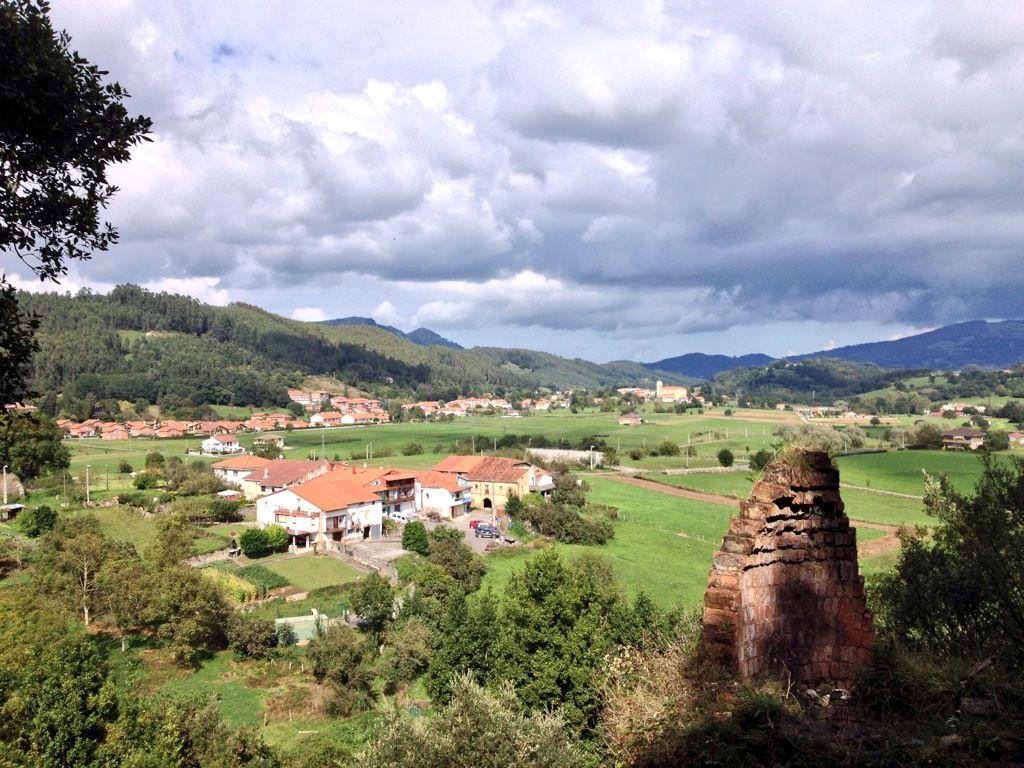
(785, 597)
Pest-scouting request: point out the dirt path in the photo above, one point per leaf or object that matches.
(672, 490)
(872, 548)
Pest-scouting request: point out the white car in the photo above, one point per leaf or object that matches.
(403, 517)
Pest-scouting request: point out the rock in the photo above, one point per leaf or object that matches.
(979, 706)
(785, 597)
(951, 740)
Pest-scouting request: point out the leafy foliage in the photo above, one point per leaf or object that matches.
(963, 592)
(414, 538)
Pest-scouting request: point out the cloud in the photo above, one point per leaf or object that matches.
(309, 314)
(386, 314)
(621, 169)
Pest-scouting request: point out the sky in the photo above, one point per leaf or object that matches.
(605, 179)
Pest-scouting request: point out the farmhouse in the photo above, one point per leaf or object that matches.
(323, 513)
(963, 438)
(493, 479)
(396, 488)
(670, 394)
(235, 469)
(446, 494)
(279, 474)
(325, 419)
(1016, 438)
(222, 444)
(632, 419)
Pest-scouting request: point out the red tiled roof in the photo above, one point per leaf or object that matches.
(283, 472)
(242, 462)
(487, 469)
(432, 479)
(335, 494)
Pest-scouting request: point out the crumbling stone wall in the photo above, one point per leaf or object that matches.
(785, 597)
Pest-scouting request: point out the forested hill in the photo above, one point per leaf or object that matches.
(134, 344)
(816, 380)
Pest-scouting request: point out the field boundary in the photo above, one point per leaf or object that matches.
(881, 491)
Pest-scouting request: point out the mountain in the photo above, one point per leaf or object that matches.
(137, 345)
(569, 372)
(421, 336)
(976, 342)
(428, 338)
(701, 366)
(814, 380)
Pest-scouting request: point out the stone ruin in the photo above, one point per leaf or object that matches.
(784, 597)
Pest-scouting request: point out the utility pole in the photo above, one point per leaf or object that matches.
(591, 458)
(473, 442)
(87, 499)
(5, 485)
(323, 453)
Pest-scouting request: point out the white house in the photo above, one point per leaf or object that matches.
(222, 444)
(443, 493)
(323, 513)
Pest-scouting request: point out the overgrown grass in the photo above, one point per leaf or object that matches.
(308, 572)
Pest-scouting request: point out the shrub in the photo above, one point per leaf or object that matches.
(146, 480)
(412, 449)
(250, 637)
(998, 440)
(760, 459)
(254, 542)
(225, 511)
(125, 467)
(725, 457)
(565, 524)
(667, 448)
(238, 589)
(286, 636)
(37, 521)
(154, 460)
(277, 537)
(414, 538)
(636, 454)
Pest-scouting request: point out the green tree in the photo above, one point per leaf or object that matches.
(406, 653)
(498, 733)
(414, 538)
(265, 449)
(448, 549)
(31, 444)
(69, 560)
(412, 449)
(64, 705)
(373, 601)
(63, 127)
(154, 460)
(126, 590)
(997, 440)
(189, 612)
(557, 622)
(124, 467)
(962, 593)
(340, 658)
(467, 640)
(667, 448)
(514, 507)
(725, 457)
(36, 521)
(254, 542)
(277, 537)
(250, 637)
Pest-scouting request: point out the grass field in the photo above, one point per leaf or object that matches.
(708, 433)
(307, 572)
(860, 505)
(902, 471)
(663, 544)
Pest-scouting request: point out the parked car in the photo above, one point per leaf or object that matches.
(475, 523)
(403, 517)
(484, 531)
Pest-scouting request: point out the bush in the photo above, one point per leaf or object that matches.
(225, 511)
(254, 542)
(414, 538)
(37, 521)
(667, 448)
(154, 460)
(565, 524)
(250, 637)
(286, 636)
(760, 459)
(277, 538)
(145, 481)
(725, 457)
(998, 440)
(262, 578)
(412, 449)
(125, 467)
(636, 454)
